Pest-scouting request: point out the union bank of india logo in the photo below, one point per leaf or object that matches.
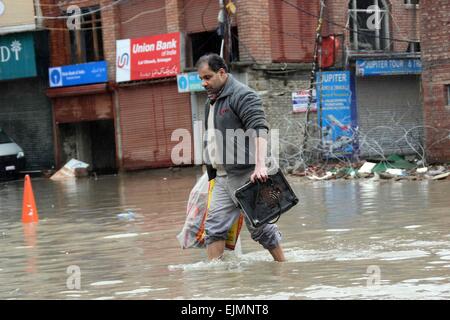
(123, 60)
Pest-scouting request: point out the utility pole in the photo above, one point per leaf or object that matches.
(221, 29)
(228, 9)
(316, 66)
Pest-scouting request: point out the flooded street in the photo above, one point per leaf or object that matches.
(359, 239)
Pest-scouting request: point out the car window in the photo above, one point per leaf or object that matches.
(4, 138)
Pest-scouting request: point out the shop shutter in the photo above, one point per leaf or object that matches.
(26, 115)
(83, 108)
(148, 115)
(388, 107)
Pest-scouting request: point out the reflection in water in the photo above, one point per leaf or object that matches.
(120, 231)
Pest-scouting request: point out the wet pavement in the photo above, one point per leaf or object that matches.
(114, 237)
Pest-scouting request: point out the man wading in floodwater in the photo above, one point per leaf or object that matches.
(233, 106)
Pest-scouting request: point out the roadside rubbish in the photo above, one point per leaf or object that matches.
(393, 167)
(422, 170)
(326, 177)
(439, 170)
(72, 169)
(393, 162)
(441, 176)
(396, 172)
(367, 167)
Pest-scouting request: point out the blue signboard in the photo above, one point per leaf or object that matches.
(189, 82)
(78, 74)
(388, 67)
(183, 83)
(337, 116)
(195, 83)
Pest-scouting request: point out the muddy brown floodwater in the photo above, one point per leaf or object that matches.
(114, 237)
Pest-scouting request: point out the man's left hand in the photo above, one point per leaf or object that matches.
(260, 174)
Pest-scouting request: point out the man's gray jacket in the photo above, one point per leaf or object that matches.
(237, 108)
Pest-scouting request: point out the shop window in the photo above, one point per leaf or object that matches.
(210, 42)
(413, 46)
(86, 40)
(369, 25)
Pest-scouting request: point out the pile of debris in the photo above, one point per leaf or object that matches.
(72, 170)
(394, 167)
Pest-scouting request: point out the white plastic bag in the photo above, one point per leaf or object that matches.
(192, 234)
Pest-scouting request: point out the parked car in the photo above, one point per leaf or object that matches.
(12, 157)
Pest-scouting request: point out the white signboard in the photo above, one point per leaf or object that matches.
(300, 101)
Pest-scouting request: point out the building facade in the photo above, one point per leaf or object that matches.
(435, 42)
(128, 124)
(25, 111)
(83, 107)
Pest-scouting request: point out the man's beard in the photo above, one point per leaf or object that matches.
(213, 95)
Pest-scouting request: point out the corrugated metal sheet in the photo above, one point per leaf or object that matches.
(26, 115)
(141, 18)
(148, 115)
(83, 108)
(292, 35)
(388, 107)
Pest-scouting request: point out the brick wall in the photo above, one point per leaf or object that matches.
(435, 44)
(110, 33)
(287, 32)
(276, 95)
(293, 30)
(175, 15)
(254, 31)
(59, 39)
(142, 18)
(200, 15)
(269, 30)
(59, 31)
(404, 22)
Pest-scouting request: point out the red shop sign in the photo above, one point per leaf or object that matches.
(148, 58)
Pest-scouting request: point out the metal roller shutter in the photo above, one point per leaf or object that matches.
(388, 108)
(83, 108)
(148, 115)
(26, 115)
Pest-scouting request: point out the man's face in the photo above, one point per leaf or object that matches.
(212, 81)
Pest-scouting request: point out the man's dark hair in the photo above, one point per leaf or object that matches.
(214, 61)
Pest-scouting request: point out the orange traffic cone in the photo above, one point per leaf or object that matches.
(29, 210)
(30, 237)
